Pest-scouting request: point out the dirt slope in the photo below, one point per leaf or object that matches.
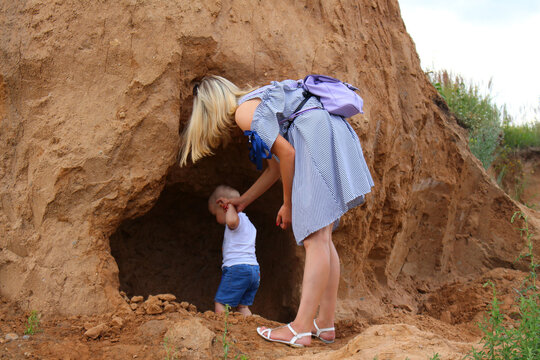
(93, 96)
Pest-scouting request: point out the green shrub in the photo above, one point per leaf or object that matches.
(475, 111)
(502, 340)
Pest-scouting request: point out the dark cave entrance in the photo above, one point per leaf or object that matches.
(176, 246)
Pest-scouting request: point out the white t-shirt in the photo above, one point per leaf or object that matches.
(239, 244)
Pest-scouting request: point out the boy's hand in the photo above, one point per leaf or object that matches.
(284, 217)
(237, 202)
(231, 217)
(222, 204)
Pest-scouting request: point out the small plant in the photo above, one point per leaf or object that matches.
(170, 352)
(226, 344)
(435, 357)
(522, 341)
(32, 325)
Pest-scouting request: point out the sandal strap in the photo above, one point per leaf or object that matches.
(292, 330)
(319, 331)
(296, 335)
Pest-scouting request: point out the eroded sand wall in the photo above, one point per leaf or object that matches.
(93, 97)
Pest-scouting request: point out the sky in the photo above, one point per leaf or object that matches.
(482, 40)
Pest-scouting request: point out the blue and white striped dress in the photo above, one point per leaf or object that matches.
(331, 175)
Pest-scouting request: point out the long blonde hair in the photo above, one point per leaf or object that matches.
(214, 104)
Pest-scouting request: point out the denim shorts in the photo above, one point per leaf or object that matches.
(239, 284)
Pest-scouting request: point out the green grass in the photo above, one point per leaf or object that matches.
(522, 136)
(520, 340)
(32, 325)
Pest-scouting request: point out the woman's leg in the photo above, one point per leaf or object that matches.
(316, 274)
(327, 309)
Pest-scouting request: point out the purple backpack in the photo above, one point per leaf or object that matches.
(337, 97)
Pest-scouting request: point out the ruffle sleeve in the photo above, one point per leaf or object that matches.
(268, 113)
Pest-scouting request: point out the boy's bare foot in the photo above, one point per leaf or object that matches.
(219, 308)
(243, 309)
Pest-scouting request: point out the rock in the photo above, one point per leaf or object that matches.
(166, 297)
(169, 308)
(124, 296)
(184, 305)
(137, 299)
(152, 300)
(446, 316)
(153, 329)
(11, 337)
(191, 334)
(26, 337)
(96, 331)
(133, 306)
(153, 309)
(192, 308)
(405, 307)
(140, 311)
(117, 321)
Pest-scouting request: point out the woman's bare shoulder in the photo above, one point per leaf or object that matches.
(244, 113)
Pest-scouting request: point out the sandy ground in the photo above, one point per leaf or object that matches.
(444, 325)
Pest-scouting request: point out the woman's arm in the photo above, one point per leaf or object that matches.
(263, 183)
(285, 152)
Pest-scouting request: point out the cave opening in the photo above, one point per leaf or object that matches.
(176, 246)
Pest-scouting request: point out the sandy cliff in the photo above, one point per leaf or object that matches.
(94, 95)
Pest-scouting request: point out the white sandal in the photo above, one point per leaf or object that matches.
(265, 334)
(320, 331)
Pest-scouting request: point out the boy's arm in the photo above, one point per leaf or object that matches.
(231, 217)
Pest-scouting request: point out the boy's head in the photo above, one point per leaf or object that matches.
(221, 191)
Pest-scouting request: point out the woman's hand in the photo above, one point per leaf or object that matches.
(238, 203)
(284, 217)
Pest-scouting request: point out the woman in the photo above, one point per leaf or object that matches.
(322, 168)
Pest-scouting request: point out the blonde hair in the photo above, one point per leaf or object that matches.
(214, 104)
(222, 191)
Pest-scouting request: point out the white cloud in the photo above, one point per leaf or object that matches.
(506, 51)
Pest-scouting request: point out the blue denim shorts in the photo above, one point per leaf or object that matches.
(239, 284)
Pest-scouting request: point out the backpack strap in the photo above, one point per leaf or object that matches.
(307, 96)
(298, 110)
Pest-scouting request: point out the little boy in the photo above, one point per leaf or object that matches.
(240, 276)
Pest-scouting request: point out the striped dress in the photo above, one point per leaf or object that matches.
(331, 175)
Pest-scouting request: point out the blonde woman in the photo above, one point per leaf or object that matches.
(322, 169)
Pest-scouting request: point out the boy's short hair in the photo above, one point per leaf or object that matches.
(222, 191)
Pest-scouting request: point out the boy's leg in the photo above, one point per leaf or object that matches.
(244, 309)
(249, 295)
(219, 308)
(233, 282)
